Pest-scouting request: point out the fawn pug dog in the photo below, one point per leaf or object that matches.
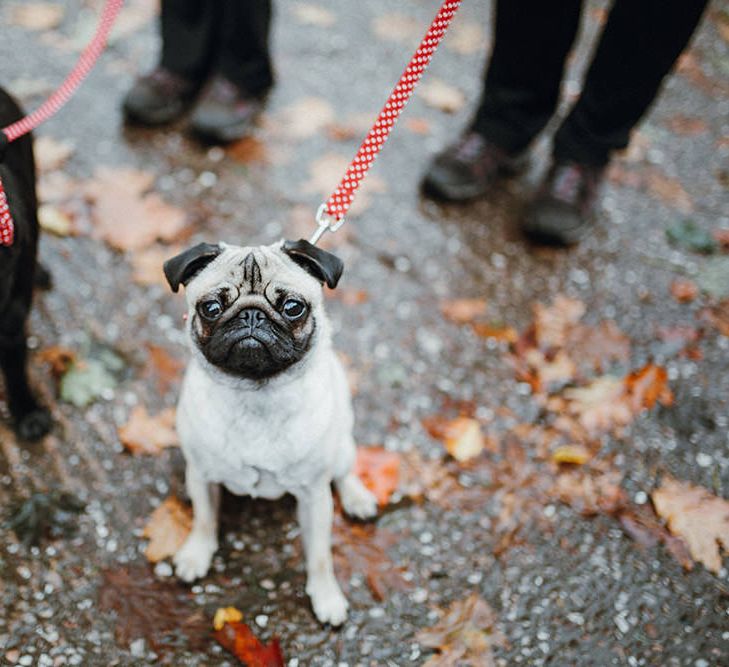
(265, 408)
(19, 273)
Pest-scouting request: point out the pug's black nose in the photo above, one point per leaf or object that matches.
(252, 317)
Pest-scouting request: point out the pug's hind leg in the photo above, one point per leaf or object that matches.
(315, 512)
(194, 557)
(357, 500)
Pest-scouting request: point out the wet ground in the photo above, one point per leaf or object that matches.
(571, 590)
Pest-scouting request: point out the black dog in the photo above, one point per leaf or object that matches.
(18, 275)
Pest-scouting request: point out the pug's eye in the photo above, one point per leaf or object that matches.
(210, 310)
(294, 309)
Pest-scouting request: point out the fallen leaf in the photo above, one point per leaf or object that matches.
(463, 311)
(495, 331)
(462, 438)
(126, 215)
(688, 126)
(348, 296)
(687, 235)
(247, 150)
(718, 316)
(147, 264)
(317, 15)
(647, 386)
(86, 380)
(37, 15)
(55, 220)
(573, 454)
(466, 38)
(305, 117)
(599, 407)
(237, 638)
(440, 95)
(697, 516)
(340, 132)
(162, 612)
(59, 358)
(144, 434)
(397, 27)
(362, 548)
(465, 635)
(590, 492)
(684, 291)
(167, 529)
(379, 470)
(51, 154)
(164, 367)
(225, 615)
(721, 236)
(553, 323)
(596, 348)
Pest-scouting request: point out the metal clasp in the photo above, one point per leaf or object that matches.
(325, 224)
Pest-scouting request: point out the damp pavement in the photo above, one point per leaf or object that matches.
(580, 593)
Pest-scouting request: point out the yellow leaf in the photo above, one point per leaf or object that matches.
(576, 454)
(225, 615)
(463, 439)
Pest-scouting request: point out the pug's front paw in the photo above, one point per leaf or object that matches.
(193, 559)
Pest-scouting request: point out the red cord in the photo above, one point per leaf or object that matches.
(338, 204)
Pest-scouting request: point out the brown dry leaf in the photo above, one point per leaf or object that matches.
(54, 220)
(646, 387)
(397, 28)
(363, 548)
(247, 150)
(51, 154)
(167, 529)
(237, 638)
(684, 291)
(166, 368)
(144, 434)
(125, 215)
(463, 311)
(310, 14)
(686, 125)
(590, 492)
(497, 332)
(641, 524)
(721, 236)
(690, 67)
(553, 323)
(37, 15)
(549, 372)
(379, 470)
(59, 358)
(466, 38)
(718, 316)
(147, 264)
(418, 125)
(305, 118)
(572, 454)
(465, 635)
(440, 95)
(349, 296)
(325, 174)
(600, 406)
(598, 347)
(697, 516)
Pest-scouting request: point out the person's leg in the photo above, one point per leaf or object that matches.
(242, 73)
(531, 41)
(639, 45)
(189, 33)
(243, 56)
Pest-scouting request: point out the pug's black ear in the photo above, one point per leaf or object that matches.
(182, 268)
(324, 266)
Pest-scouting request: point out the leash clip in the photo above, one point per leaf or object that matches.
(325, 224)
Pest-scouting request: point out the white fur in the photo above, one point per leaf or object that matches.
(292, 434)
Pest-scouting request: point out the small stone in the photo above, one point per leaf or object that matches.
(419, 595)
(641, 498)
(267, 584)
(704, 460)
(163, 569)
(26, 660)
(137, 648)
(261, 620)
(376, 612)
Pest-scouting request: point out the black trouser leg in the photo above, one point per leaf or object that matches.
(243, 53)
(189, 35)
(639, 45)
(531, 41)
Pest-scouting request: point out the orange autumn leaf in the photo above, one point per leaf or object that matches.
(167, 529)
(237, 638)
(721, 236)
(648, 386)
(59, 358)
(463, 311)
(379, 470)
(698, 517)
(462, 436)
(684, 291)
(485, 330)
(145, 434)
(166, 368)
(247, 150)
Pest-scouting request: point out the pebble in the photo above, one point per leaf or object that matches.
(137, 648)
(163, 569)
(419, 595)
(267, 584)
(261, 620)
(704, 460)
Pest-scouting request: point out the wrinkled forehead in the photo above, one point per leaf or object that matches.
(253, 270)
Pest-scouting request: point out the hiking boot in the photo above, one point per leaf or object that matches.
(564, 207)
(224, 113)
(159, 97)
(468, 169)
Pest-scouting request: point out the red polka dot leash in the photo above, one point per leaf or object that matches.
(330, 216)
(54, 103)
